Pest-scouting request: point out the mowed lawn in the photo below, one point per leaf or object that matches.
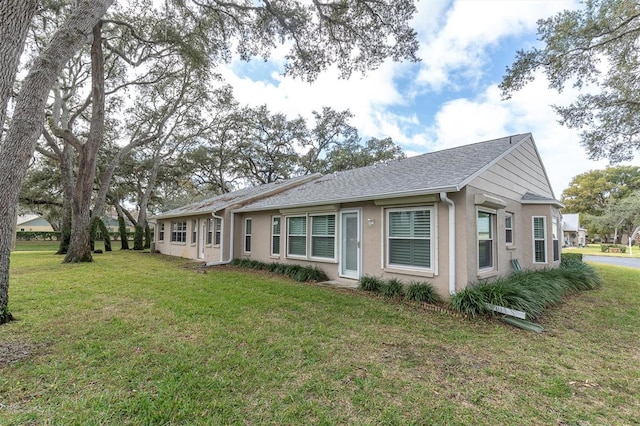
(138, 339)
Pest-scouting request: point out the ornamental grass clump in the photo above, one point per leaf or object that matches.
(470, 301)
(296, 272)
(529, 291)
(422, 292)
(392, 288)
(370, 283)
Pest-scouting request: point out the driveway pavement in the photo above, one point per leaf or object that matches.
(629, 262)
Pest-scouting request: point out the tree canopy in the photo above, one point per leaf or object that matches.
(595, 49)
(603, 197)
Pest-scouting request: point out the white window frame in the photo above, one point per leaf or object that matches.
(217, 231)
(179, 231)
(431, 239)
(209, 231)
(274, 235)
(492, 237)
(555, 230)
(306, 240)
(194, 232)
(508, 230)
(161, 232)
(311, 236)
(248, 230)
(543, 239)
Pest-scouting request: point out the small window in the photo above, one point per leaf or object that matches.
(275, 235)
(209, 231)
(556, 242)
(179, 232)
(194, 231)
(247, 235)
(539, 240)
(508, 228)
(161, 232)
(485, 240)
(323, 236)
(297, 236)
(218, 225)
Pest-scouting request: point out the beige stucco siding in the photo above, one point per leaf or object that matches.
(187, 249)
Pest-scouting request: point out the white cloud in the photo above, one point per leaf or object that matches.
(456, 37)
(486, 117)
(460, 43)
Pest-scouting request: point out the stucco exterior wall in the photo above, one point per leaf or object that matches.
(199, 250)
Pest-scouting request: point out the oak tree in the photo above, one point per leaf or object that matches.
(593, 49)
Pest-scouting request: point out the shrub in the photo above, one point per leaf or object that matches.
(296, 272)
(422, 292)
(568, 258)
(392, 288)
(469, 301)
(528, 291)
(605, 247)
(370, 283)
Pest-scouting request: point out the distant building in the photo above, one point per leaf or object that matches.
(574, 235)
(33, 223)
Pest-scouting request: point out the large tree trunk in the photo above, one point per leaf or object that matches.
(80, 243)
(138, 241)
(66, 166)
(26, 125)
(122, 228)
(15, 18)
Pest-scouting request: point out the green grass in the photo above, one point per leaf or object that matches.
(594, 249)
(139, 339)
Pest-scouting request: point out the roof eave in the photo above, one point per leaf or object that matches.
(384, 196)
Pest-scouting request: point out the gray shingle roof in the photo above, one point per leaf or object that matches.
(531, 198)
(223, 201)
(447, 170)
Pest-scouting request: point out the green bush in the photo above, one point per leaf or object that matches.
(370, 283)
(605, 247)
(470, 301)
(422, 292)
(296, 272)
(528, 291)
(570, 258)
(392, 288)
(37, 235)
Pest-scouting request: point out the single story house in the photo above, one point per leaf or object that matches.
(574, 235)
(33, 223)
(450, 217)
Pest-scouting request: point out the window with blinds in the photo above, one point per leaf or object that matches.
(323, 236)
(297, 236)
(539, 240)
(409, 238)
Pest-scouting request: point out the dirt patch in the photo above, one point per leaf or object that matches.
(11, 352)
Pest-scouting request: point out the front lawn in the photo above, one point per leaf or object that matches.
(138, 338)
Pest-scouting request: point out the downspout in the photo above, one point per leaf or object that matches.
(231, 238)
(452, 242)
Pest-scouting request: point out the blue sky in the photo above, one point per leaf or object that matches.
(449, 99)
